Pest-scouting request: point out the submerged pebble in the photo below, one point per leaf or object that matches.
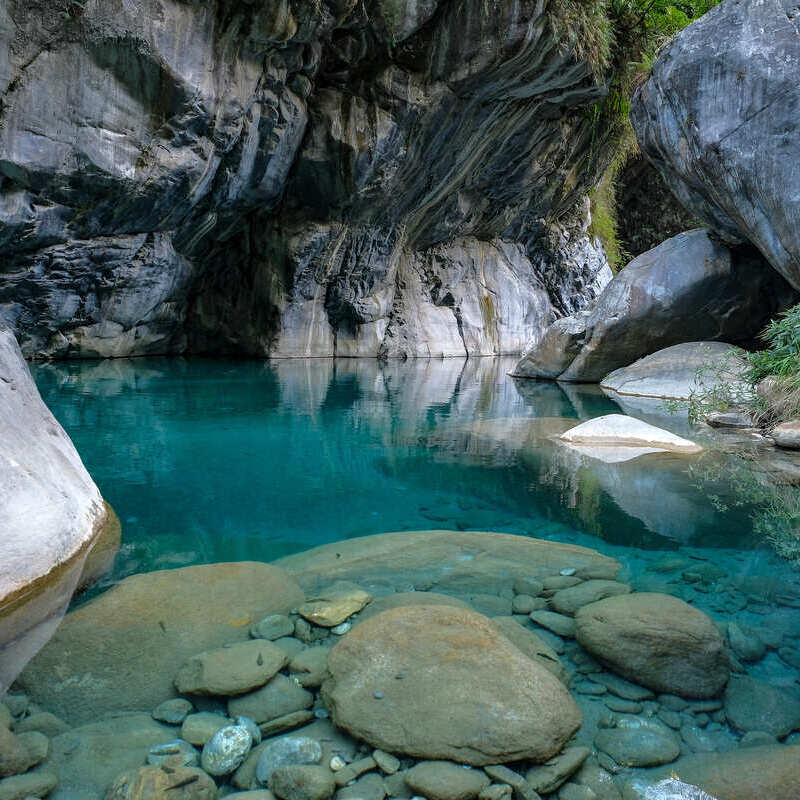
(226, 750)
(177, 751)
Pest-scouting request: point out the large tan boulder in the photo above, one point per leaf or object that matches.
(128, 644)
(656, 640)
(51, 517)
(443, 683)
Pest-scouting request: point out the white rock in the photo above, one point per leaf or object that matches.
(50, 514)
(225, 751)
(619, 430)
(337, 763)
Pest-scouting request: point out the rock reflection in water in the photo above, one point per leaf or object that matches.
(210, 461)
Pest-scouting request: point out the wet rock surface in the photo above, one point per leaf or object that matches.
(678, 372)
(127, 640)
(656, 640)
(367, 698)
(232, 670)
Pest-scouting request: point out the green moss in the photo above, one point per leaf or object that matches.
(604, 200)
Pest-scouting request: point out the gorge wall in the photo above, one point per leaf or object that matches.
(294, 178)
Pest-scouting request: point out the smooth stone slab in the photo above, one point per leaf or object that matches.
(443, 780)
(231, 670)
(672, 373)
(657, 641)
(568, 601)
(441, 561)
(754, 705)
(551, 775)
(642, 746)
(515, 707)
(278, 698)
(532, 645)
(619, 430)
(128, 643)
(557, 623)
(31, 785)
(334, 605)
(87, 759)
(401, 599)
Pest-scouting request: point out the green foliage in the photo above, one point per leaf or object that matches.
(781, 358)
(603, 199)
(620, 40)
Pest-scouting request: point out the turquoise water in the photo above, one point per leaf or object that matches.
(210, 461)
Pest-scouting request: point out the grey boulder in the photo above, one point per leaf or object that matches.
(689, 288)
(682, 371)
(719, 118)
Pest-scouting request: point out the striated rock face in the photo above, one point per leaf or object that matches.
(690, 287)
(293, 178)
(719, 118)
(51, 516)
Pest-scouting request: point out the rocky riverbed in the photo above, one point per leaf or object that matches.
(436, 664)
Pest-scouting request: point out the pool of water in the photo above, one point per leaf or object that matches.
(209, 461)
(229, 461)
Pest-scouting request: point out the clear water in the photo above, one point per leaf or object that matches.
(210, 461)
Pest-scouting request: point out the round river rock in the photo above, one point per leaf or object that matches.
(656, 640)
(443, 683)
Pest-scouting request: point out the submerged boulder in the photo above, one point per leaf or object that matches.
(770, 772)
(458, 563)
(398, 682)
(689, 288)
(656, 640)
(129, 643)
(719, 118)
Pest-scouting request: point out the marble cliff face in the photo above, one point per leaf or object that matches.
(292, 178)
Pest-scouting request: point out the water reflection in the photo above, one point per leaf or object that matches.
(229, 460)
